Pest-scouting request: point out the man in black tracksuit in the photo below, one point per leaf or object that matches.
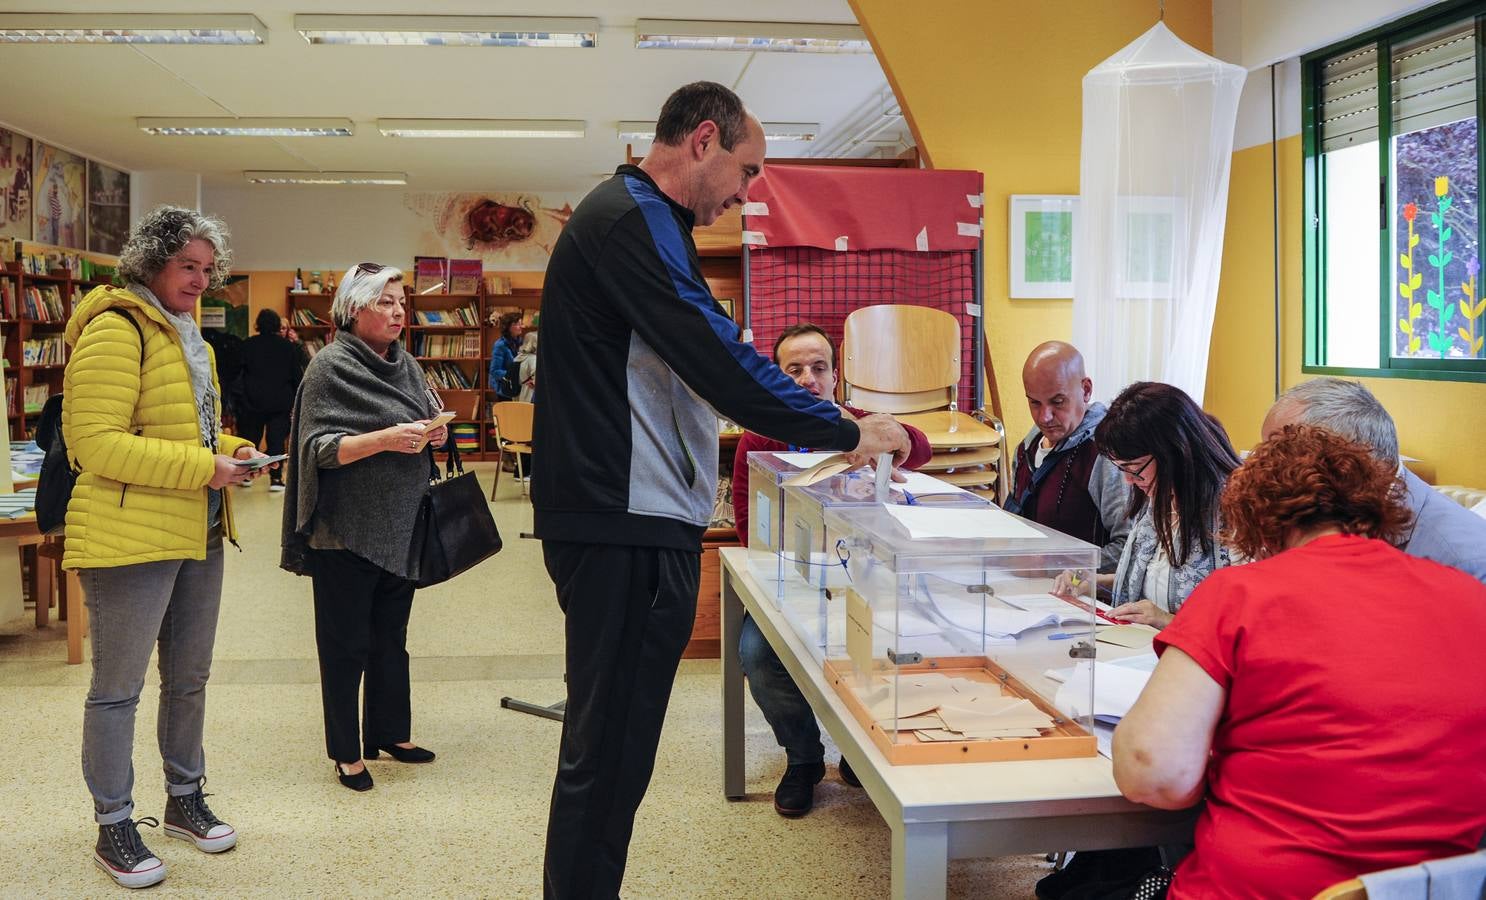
(640, 362)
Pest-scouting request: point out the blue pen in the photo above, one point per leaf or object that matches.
(1061, 636)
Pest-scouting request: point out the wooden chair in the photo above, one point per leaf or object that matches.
(513, 432)
(1351, 889)
(905, 361)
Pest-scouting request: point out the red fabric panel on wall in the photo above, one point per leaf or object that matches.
(874, 209)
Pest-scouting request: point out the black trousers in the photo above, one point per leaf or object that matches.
(629, 615)
(251, 426)
(361, 629)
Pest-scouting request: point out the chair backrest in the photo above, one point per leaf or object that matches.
(900, 359)
(513, 420)
(1352, 889)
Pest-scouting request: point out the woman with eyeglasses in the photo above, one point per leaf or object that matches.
(359, 476)
(1177, 458)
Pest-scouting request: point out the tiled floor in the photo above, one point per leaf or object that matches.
(470, 824)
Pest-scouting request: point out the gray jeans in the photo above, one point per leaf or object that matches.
(131, 608)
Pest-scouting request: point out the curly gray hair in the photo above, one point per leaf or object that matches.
(361, 287)
(162, 233)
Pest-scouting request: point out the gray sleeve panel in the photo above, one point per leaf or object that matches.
(1111, 495)
(327, 451)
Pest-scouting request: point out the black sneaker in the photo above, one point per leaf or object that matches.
(122, 854)
(796, 792)
(188, 818)
(847, 775)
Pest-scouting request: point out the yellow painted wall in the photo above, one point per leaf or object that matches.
(996, 86)
(1441, 423)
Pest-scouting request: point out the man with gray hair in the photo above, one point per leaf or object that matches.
(1443, 530)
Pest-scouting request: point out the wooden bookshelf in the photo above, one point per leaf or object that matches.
(17, 326)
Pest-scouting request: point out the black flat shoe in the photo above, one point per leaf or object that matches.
(361, 781)
(403, 754)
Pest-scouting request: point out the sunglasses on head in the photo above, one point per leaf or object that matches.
(369, 268)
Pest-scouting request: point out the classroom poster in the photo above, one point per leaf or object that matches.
(59, 201)
(15, 185)
(108, 208)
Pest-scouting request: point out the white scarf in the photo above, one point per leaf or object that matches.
(198, 360)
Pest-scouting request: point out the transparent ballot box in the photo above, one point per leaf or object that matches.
(810, 548)
(767, 472)
(946, 642)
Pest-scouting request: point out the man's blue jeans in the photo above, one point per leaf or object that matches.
(785, 708)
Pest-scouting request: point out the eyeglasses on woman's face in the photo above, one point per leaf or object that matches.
(1129, 468)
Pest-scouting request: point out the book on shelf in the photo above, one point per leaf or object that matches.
(34, 396)
(8, 305)
(47, 351)
(302, 316)
(10, 391)
(465, 275)
(44, 304)
(312, 346)
(497, 284)
(448, 376)
(425, 344)
(469, 314)
(430, 275)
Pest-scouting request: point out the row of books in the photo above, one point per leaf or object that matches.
(312, 346)
(448, 376)
(47, 351)
(302, 316)
(465, 345)
(10, 391)
(44, 304)
(464, 315)
(34, 396)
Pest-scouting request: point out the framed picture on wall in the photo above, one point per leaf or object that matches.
(1041, 252)
(108, 208)
(727, 306)
(58, 201)
(15, 185)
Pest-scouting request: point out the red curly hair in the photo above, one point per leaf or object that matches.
(1306, 478)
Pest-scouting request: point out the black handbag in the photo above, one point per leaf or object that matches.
(455, 530)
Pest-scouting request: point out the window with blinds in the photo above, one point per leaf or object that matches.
(1392, 257)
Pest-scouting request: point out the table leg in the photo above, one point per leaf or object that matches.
(46, 585)
(920, 860)
(732, 690)
(77, 619)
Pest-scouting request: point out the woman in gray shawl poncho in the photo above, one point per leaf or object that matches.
(354, 490)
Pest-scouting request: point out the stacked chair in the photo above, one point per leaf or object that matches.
(905, 361)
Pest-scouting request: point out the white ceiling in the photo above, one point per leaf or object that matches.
(85, 97)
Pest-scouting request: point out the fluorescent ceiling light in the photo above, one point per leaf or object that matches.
(482, 128)
(773, 131)
(261, 177)
(784, 37)
(230, 127)
(449, 31)
(129, 28)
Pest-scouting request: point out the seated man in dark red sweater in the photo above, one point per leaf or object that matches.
(805, 354)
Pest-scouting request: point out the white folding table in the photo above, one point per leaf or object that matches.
(937, 812)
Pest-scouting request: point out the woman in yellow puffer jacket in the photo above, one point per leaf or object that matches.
(145, 524)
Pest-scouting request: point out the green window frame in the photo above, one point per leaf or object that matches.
(1313, 204)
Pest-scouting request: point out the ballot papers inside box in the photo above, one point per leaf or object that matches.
(940, 643)
(767, 545)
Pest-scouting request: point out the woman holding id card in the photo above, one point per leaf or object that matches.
(362, 420)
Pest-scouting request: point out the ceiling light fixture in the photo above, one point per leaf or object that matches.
(247, 127)
(781, 37)
(482, 128)
(129, 28)
(449, 31)
(773, 131)
(264, 177)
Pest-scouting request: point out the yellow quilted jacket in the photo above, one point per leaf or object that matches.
(129, 419)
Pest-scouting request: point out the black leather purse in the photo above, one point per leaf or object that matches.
(455, 530)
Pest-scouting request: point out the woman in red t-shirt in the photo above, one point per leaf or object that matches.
(1325, 700)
